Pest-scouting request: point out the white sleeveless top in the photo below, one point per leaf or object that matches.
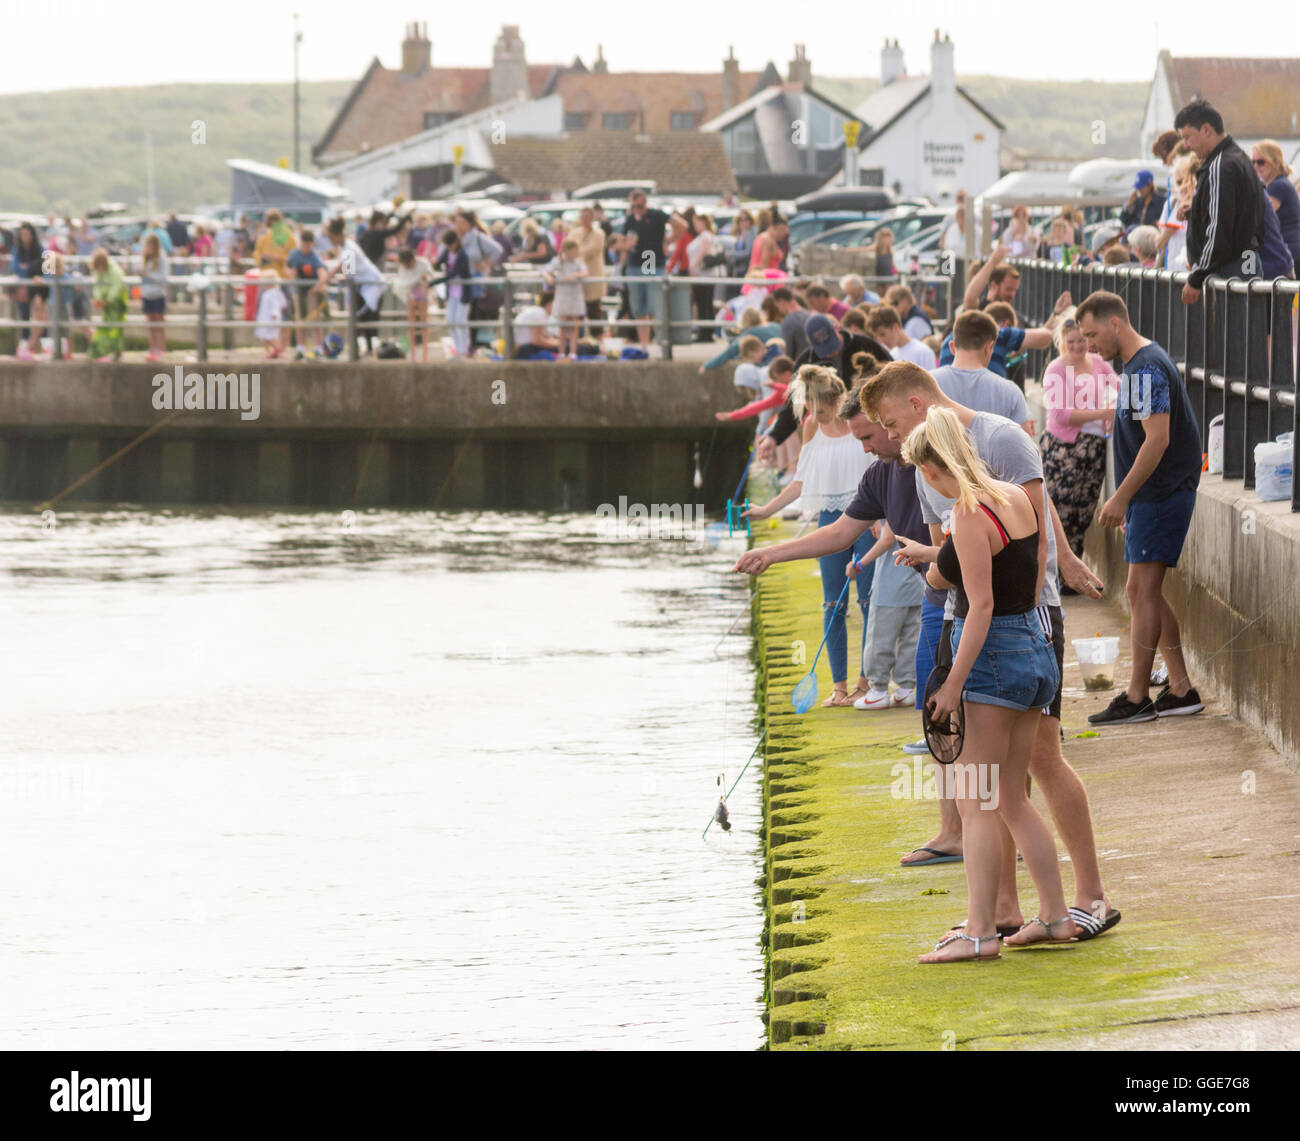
(830, 469)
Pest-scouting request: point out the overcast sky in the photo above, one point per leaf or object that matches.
(92, 43)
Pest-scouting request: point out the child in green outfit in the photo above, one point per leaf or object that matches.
(108, 295)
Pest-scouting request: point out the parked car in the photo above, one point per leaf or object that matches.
(807, 227)
(544, 213)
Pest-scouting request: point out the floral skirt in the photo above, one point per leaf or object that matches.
(1074, 474)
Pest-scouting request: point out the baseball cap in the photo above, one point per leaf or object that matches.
(821, 334)
(1143, 179)
(1104, 234)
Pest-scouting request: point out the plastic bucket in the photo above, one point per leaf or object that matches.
(1097, 658)
(1274, 469)
(1215, 466)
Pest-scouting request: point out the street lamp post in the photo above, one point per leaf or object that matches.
(297, 39)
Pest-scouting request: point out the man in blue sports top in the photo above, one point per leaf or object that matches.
(1011, 339)
(1158, 467)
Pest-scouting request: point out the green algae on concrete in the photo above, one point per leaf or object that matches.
(845, 921)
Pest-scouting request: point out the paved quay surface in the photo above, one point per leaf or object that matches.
(1198, 830)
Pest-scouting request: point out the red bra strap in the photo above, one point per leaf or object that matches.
(998, 524)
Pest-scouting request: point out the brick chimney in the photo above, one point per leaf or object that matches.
(509, 67)
(942, 77)
(730, 80)
(800, 68)
(600, 67)
(891, 62)
(416, 53)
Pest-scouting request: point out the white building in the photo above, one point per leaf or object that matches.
(926, 134)
(1258, 99)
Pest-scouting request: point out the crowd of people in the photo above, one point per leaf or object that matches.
(987, 524)
(1252, 207)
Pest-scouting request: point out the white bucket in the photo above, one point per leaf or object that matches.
(1097, 657)
(1273, 469)
(1215, 466)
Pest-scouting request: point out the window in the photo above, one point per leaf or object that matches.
(438, 118)
(616, 120)
(575, 120)
(744, 149)
(682, 120)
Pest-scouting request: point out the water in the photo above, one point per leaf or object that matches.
(271, 780)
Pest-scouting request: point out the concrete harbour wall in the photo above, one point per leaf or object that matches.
(531, 436)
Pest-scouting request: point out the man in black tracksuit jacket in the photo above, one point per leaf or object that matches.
(1226, 221)
(839, 356)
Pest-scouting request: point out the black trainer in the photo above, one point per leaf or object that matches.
(1167, 705)
(1122, 711)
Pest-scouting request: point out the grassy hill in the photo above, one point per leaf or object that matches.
(67, 150)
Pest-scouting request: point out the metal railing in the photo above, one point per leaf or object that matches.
(215, 306)
(1235, 346)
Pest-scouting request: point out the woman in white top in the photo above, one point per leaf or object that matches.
(831, 466)
(347, 260)
(704, 245)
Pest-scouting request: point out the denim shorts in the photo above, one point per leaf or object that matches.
(643, 296)
(1016, 667)
(1154, 532)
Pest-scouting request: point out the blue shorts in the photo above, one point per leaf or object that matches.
(1154, 532)
(154, 304)
(1016, 667)
(643, 296)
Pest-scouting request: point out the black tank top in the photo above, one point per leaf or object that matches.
(1015, 571)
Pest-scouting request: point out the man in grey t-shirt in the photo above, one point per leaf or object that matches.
(985, 391)
(898, 397)
(969, 380)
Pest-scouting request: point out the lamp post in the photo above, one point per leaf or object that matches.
(297, 39)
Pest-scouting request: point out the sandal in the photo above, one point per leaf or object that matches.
(858, 691)
(976, 939)
(1090, 926)
(836, 699)
(1003, 931)
(1048, 928)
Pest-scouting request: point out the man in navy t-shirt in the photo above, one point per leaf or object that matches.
(1157, 468)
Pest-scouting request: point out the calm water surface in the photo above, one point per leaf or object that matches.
(271, 780)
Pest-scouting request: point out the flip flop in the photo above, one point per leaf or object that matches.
(939, 858)
(1090, 926)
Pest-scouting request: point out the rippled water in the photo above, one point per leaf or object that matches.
(270, 780)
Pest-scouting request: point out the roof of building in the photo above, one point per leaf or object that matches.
(678, 161)
(886, 105)
(1258, 98)
(776, 93)
(305, 183)
(654, 94)
(388, 104)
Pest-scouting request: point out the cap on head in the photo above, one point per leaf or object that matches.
(822, 336)
(1144, 179)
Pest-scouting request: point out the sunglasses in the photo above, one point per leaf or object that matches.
(1259, 161)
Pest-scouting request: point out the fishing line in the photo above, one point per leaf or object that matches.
(117, 455)
(732, 789)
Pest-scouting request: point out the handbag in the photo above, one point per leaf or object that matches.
(713, 260)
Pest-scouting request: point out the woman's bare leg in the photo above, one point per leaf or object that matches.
(1032, 836)
(988, 740)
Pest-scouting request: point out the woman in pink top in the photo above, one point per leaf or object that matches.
(767, 253)
(1079, 394)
